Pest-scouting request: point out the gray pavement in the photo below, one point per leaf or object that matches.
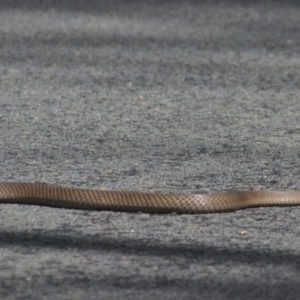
(191, 97)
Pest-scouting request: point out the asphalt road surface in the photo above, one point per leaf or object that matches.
(167, 96)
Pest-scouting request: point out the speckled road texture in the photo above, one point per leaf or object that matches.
(189, 97)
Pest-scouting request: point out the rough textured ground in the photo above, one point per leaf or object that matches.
(153, 96)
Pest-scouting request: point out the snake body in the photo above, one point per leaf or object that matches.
(65, 197)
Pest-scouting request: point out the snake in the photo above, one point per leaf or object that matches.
(147, 202)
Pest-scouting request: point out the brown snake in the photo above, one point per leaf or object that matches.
(43, 194)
